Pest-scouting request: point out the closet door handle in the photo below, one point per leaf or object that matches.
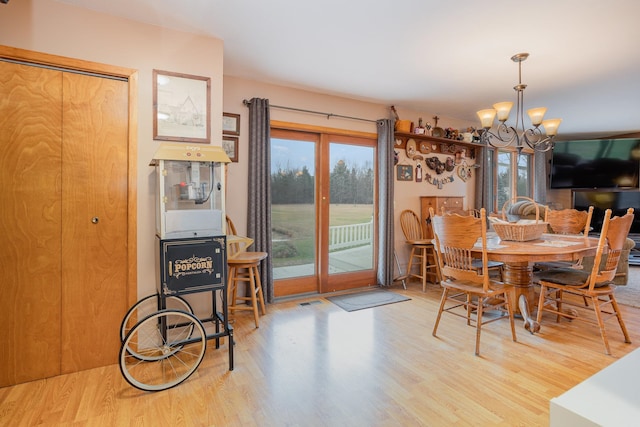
(95, 220)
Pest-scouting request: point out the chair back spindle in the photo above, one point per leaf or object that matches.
(456, 236)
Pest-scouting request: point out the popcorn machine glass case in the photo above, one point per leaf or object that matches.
(190, 189)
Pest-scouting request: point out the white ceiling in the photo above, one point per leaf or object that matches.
(449, 57)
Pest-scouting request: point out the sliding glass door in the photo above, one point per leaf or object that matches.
(323, 211)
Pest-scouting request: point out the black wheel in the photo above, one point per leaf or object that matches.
(147, 306)
(162, 350)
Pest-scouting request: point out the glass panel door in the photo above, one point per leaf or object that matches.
(293, 211)
(351, 208)
(348, 209)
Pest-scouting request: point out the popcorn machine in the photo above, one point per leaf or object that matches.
(163, 341)
(191, 253)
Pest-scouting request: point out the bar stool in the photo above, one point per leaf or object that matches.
(243, 268)
(423, 251)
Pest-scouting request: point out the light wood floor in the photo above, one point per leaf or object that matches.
(317, 365)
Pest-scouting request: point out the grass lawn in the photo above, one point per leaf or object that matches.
(293, 228)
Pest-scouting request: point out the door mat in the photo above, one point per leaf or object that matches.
(630, 294)
(367, 299)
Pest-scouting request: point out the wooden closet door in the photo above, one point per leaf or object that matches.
(30, 222)
(94, 221)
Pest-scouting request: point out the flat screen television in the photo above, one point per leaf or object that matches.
(617, 201)
(596, 163)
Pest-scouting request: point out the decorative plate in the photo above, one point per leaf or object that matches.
(425, 147)
(411, 148)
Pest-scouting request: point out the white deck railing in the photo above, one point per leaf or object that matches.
(349, 236)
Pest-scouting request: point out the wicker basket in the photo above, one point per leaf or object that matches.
(520, 232)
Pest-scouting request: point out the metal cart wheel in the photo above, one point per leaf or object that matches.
(162, 350)
(147, 306)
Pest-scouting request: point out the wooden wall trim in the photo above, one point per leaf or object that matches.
(132, 225)
(40, 58)
(320, 129)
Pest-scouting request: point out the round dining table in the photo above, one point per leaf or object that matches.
(519, 258)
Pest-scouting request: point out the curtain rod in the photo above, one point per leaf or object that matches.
(329, 115)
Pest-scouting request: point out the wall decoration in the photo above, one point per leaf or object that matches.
(435, 164)
(411, 148)
(449, 164)
(425, 147)
(464, 171)
(439, 182)
(418, 173)
(230, 124)
(230, 146)
(181, 107)
(404, 173)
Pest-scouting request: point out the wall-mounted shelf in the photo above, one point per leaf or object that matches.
(429, 144)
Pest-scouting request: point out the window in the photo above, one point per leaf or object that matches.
(504, 179)
(512, 176)
(525, 175)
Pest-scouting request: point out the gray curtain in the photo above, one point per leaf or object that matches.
(259, 212)
(482, 180)
(540, 185)
(385, 202)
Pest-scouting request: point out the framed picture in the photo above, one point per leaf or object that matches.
(231, 124)
(404, 173)
(181, 107)
(230, 146)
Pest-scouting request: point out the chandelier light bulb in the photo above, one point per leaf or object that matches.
(503, 109)
(486, 117)
(551, 126)
(536, 115)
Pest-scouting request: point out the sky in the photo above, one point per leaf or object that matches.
(290, 154)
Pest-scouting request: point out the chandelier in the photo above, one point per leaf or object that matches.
(505, 135)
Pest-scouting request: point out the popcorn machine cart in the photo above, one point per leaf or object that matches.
(163, 341)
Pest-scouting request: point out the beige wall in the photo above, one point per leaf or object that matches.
(55, 28)
(406, 193)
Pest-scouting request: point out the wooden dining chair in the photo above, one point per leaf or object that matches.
(467, 292)
(559, 284)
(423, 253)
(566, 221)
